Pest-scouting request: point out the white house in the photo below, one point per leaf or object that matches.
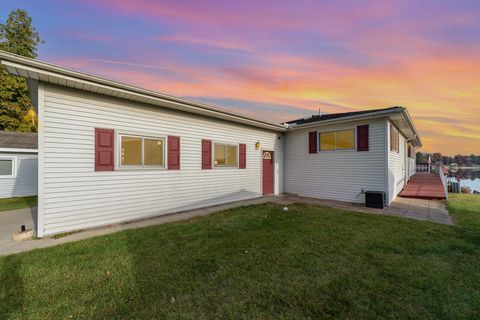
(18, 164)
(110, 152)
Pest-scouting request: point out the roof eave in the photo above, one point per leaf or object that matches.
(373, 115)
(45, 72)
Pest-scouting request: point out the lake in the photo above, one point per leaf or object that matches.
(468, 178)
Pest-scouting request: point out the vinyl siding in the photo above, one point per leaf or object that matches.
(25, 182)
(396, 166)
(412, 167)
(337, 175)
(77, 197)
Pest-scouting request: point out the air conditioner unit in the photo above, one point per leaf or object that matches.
(375, 199)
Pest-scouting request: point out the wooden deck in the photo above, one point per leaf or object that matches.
(424, 186)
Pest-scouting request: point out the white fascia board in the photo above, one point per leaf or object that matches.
(18, 150)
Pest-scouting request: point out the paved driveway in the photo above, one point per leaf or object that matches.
(11, 222)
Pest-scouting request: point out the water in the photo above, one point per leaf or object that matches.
(468, 178)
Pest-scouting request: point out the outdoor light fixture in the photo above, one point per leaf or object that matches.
(257, 145)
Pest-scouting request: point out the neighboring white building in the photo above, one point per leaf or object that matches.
(110, 152)
(18, 164)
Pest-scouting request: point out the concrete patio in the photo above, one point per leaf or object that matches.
(418, 209)
(10, 222)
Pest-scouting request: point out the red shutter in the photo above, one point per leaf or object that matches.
(104, 145)
(173, 153)
(206, 154)
(243, 156)
(312, 142)
(362, 138)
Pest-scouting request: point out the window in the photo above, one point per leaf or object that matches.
(327, 141)
(225, 155)
(394, 139)
(345, 139)
(337, 140)
(142, 151)
(7, 167)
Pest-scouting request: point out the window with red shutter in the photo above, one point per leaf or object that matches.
(104, 145)
(362, 138)
(312, 142)
(173, 153)
(243, 156)
(206, 154)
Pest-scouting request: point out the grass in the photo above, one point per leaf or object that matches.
(258, 262)
(17, 203)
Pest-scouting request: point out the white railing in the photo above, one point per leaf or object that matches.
(443, 177)
(423, 168)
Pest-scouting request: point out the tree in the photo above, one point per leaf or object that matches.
(436, 157)
(420, 158)
(18, 36)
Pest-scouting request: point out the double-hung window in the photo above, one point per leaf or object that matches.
(337, 140)
(225, 155)
(139, 151)
(7, 167)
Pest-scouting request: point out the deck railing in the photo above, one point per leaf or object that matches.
(441, 170)
(423, 168)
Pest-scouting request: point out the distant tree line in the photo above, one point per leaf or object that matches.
(461, 160)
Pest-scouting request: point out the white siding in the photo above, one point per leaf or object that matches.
(25, 182)
(412, 167)
(397, 166)
(337, 175)
(77, 197)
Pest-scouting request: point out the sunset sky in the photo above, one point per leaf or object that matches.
(281, 60)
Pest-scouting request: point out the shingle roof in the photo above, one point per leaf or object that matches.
(331, 116)
(18, 140)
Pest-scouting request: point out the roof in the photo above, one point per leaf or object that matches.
(18, 140)
(45, 72)
(331, 116)
(37, 71)
(399, 116)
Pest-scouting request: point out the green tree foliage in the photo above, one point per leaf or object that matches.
(420, 158)
(18, 36)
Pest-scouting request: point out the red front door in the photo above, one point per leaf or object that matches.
(267, 179)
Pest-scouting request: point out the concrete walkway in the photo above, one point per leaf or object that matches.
(418, 209)
(12, 218)
(10, 223)
(427, 210)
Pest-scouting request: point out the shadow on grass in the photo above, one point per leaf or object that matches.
(11, 287)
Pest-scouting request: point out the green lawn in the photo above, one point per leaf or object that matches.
(17, 203)
(258, 262)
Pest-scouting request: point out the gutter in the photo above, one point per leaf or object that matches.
(18, 150)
